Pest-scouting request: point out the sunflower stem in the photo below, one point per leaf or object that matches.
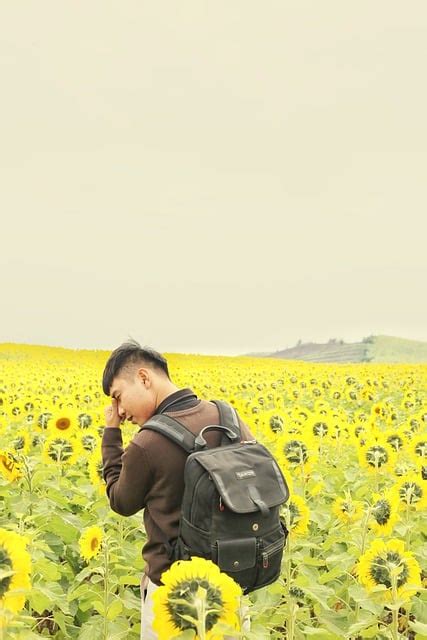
(395, 611)
(408, 528)
(201, 616)
(106, 585)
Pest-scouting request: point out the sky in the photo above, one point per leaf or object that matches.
(212, 177)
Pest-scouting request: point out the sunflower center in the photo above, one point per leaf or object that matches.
(320, 429)
(421, 449)
(380, 569)
(19, 443)
(376, 456)
(5, 565)
(382, 511)
(89, 442)
(410, 492)
(395, 441)
(187, 589)
(94, 543)
(294, 513)
(60, 450)
(63, 424)
(295, 451)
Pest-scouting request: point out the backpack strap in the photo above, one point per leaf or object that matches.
(172, 429)
(175, 431)
(228, 416)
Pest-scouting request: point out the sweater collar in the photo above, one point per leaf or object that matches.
(178, 400)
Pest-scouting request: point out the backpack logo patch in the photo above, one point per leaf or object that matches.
(241, 475)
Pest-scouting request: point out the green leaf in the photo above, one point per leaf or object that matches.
(321, 634)
(134, 580)
(114, 609)
(361, 624)
(47, 569)
(188, 634)
(419, 609)
(320, 594)
(331, 575)
(419, 627)
(98, 605)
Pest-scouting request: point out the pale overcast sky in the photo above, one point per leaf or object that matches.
(212, 177)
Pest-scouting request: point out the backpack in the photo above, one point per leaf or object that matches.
(231, 502)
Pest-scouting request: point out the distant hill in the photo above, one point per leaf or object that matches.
(370, 349)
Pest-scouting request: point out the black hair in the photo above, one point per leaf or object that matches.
(130, 353)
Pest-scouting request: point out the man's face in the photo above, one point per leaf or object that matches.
(135, 401)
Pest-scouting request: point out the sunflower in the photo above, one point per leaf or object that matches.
(384, 560)
(21, 442)
(90, 440)
(411, 491)
(95, 467)
(195, 594)
(377, 455)
(347, 510)
(418, 449)
(90, 542)
(15, 570)
(296, 514)
(297, 452)
(61, 449)
(63, 421)
(384, 513)
(8, 466)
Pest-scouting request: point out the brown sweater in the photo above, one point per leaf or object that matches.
(149, 474)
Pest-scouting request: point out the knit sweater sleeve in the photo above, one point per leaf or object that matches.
(127, 473)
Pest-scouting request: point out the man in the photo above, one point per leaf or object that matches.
(149, 474)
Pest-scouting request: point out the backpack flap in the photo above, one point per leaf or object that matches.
(246, 476)
(236, 555)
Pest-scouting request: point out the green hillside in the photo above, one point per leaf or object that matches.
(370, 349)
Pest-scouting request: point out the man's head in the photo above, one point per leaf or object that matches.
(138, 377)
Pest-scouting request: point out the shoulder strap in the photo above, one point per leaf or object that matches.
(173, 430)
(228, 416)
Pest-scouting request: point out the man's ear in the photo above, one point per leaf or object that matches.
(144, 376)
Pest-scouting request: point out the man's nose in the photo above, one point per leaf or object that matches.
(121, 412)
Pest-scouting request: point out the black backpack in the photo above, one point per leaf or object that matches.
(231, 502)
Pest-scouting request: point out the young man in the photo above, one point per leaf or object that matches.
(149, 474)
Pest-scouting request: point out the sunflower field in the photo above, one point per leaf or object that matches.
(350, 439)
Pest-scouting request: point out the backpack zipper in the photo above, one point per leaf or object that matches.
(194, 504)
(271, 550)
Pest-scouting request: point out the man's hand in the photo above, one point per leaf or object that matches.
(112, 418)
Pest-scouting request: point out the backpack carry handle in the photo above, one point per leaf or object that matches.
(200, 442)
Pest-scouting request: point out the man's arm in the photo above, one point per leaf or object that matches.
(127, 473)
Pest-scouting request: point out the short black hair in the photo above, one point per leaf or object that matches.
(130, 353)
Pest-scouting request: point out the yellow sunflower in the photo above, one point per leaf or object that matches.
(15, 570)
(296, 514)
(195, 595)
(9, 468)
(411, 491)
(417, 449)
(377, 455)
(63, 421)
(95, 468)
(347, 510)
(382, 562)
(61, 449)
(90, 542)
(21, 442)
(384, 513)
(297, 453)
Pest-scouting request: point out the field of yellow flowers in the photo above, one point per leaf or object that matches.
(352, 443)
